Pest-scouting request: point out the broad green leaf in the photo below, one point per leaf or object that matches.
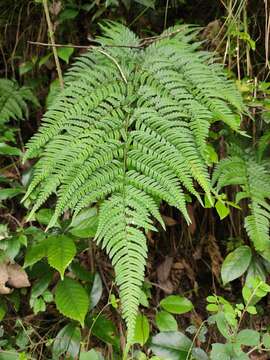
(91, 355)
(220, 352)
(235, 264)
(41, 285)
(104, 329)
(36, 253)
(81, 273)
(199, 354)
(43, 216)
(96, 291)
(222, 324)
(171, 345)
(248, 337)
(256, 269)
(10, 193)
(9, 355)
(176, 304)
(141, 334)
(84, 225)
(61, 252)
(9, 150)
(64, 53)
(266, 340)
(13, 246)
(165, 321)
(67, 341)
(222, 210)
(227, 352)
(71, 299)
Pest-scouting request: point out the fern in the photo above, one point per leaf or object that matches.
(13, 100)
(129, 130)
(242, 168)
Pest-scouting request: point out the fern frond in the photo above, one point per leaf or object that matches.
(13, 100)
(254, 179)
(129, 131)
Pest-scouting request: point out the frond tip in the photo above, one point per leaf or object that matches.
(129, 131)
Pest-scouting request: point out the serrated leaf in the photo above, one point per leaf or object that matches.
(176, 304)
(165, 321)
(35, 253)
(71, 299)
(61, 252)
(235, 264)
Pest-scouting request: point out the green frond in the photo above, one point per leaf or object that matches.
(129, 131)
(254, 179)
(13, 100)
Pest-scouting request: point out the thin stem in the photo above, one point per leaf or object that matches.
(52, 39)
(194, 339)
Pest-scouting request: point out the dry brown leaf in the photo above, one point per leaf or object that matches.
(163, 273)
(3, 280)
(17, 277)
(164, 269)
(14, 276)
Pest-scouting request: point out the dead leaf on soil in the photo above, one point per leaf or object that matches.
(163, 273)
(12, 275)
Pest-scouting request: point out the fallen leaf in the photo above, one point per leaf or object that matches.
(12, 275)
(163, 273)
(17, 277)
(164, 269)
(3, 280)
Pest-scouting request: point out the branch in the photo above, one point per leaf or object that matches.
(51, 36)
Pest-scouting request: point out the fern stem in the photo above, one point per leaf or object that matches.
(51, 36)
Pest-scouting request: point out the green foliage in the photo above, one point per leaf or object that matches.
(72, 300)
(130, 129)
(236, 263)
(242, 168)
(61, 252)
(228, 319)
(176, 304)
(13, 101)
(141, 332)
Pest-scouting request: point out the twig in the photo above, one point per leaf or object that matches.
(82, 46)
(51, 36)
(144, 42)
